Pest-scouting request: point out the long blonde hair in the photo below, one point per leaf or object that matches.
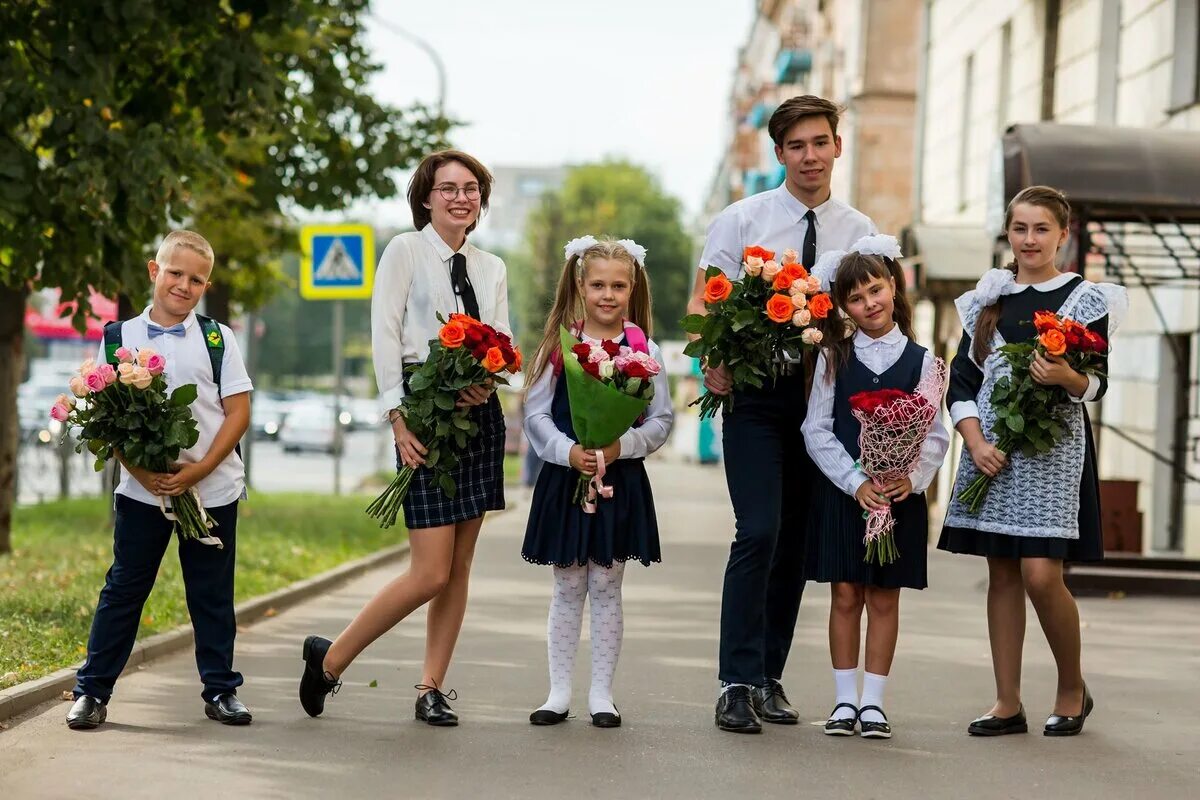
(568, 299)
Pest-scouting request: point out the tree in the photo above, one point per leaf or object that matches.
(614, 198)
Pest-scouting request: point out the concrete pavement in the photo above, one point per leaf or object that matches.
(1141, 659)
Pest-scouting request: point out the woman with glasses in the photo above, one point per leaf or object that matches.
(431, 271)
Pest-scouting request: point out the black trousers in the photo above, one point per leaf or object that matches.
(140, 539)
(769, 475)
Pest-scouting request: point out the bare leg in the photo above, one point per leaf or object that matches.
(428, 573)
(883, 626)
(1059, 616)
(1006, 630)
(845, 621)
(448, 607)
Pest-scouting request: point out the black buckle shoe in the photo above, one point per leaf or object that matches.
(228, 710)
(991, 725)
(1059, 725)
(773, 705)
(432, 708)
(873, 730)
(736, 712)
(544, 716)
(87, 713)
(843, 726)
(315, 683)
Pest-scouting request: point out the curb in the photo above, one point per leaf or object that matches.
(25, 696)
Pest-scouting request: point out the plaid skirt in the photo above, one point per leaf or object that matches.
(479, 477)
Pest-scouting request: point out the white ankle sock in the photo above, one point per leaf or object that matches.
(872, 695)
(845, 684)
(562, 634)
(607, 630)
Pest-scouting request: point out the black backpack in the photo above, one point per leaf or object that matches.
(212, 339)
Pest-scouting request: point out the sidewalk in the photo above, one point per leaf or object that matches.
(1141, 659)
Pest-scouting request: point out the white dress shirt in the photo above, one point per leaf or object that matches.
(188, 362)
(877, 355)
(775, 220)
(412, 286)
(554, 446)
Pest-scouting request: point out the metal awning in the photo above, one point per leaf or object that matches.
(948, 252)
(1108, 173)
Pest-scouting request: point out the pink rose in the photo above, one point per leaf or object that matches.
(770, 270)
(108, 373)
(86, 367)
(142, 378)
(78, 387)
(814, 284)
(95, 381)
(811, 336)
(156, 364)
(802, 318)
(790, 257)
(597, 356)
(65, 400)
(144, 354)
(59, 412)
(754, 266)
(799, 300)
(123, 355)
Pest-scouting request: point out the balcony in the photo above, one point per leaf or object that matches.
(791, 66)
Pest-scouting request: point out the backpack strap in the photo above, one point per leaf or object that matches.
(215, 343)
(556, 356)
(635, 337)
(112, 341)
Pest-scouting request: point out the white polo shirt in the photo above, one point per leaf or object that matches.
(775, 220)
(188, 362)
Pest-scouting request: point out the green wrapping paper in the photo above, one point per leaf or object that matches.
(599, 412)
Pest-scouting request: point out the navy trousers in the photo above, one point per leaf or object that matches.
(140, 539)
(769, 474)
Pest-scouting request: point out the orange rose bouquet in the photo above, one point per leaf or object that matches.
(466, 353)
(754, 324)
(1028, 414)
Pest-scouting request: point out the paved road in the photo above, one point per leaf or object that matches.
(1141, 661)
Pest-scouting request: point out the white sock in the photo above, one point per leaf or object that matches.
(608, 628)
(723, 687)
(562, 633)
(872, 695)
(845, 684)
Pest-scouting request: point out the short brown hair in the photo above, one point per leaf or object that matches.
(421, 183)
(795, 109)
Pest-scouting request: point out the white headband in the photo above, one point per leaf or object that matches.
(876, 244)
(577, 247)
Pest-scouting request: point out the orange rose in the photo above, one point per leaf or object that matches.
(717, 289)
(452, 334)
(515, 366)
(780, 308)
(820, 305)
(760, 252)
(1046, 321)
(789, 273)
(1054, 341)
(494, 360)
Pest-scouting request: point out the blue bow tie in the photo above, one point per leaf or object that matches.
(158, 330)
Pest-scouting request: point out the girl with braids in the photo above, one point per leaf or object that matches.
(603, 294)
(1041, 510)
(868, 345)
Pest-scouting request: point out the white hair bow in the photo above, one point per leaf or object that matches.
(993, 284)
(875, 244)
(634, 249)
(826, 268)
(576, 247)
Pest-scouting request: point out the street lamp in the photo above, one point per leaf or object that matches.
(428, 48)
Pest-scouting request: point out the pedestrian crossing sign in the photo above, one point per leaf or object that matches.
(337, 262)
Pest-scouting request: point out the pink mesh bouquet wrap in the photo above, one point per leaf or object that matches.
(894, 427)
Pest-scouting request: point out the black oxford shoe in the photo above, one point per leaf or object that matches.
(991, 725)
(735, 711)
(773, 705)
(433, 708)
(316, 683)
(87, 713)
(1059, 725)
(228, 710)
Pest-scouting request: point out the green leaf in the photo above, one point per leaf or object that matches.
(184, 395)
(373, 685)
(1015, 422)
(444, 401)
(696, 348)
(693, 323)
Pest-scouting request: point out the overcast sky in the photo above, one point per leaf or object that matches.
(545, 82)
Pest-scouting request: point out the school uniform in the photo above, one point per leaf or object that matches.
(624, 527)
(141, 532)
(420, 276)
(835, 548)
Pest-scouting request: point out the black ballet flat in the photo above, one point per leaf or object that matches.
(1059, 725)
(874, 730)
(544, 716)
(607, 720)
(991, 725)
(841, 727)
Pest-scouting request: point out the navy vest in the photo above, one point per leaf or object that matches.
(853, 378)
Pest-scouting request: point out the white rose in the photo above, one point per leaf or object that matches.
(607, 368)
(770, 270)
(802, 318)
(754, 270)
(811, 335)
(799, 299)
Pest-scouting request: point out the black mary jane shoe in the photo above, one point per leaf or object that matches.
(1059, 725)
(873, 730)
(228, 710)
(605, 719)
(87, 713)
(433, 707)
(736, 711)
(773, 705)
(991, 725)
(316, 683)
(843, 726)
(544, 716)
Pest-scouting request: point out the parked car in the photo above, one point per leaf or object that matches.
(266, 417)
(33, 411)
(309, 426)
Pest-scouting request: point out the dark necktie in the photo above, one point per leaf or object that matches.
(462, 285)
(808, 256)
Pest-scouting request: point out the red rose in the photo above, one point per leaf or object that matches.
(592, 369)
(474, 336)
(582, 351)
(507, 351)
(636, 370)
(870, 402)
(610, 347)
(1094, 342)
(479, 351)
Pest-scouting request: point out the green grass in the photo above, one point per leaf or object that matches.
(49, 584)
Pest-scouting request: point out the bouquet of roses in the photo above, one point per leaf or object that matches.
(894, 425)
(466, 353)
(1028, 414)
(609, 387)
(126, 409)
(753, 324)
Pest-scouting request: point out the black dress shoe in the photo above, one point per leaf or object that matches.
(991, 725)
(1059, 725)
(315, 683)
(873, 730)
(773, 705)
(432, 708)
(842, 726)
(736, 712)
(544, 716)
(228, 710)
(87, 713)
(605, 719)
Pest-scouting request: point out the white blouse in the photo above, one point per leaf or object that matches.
(877, 355)
(412, 285)
(554, 446)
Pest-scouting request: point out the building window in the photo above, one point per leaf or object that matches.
(1109, 55)
(1185, 76)
(964, 142)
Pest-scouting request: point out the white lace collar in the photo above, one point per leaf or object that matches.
(1057, 282)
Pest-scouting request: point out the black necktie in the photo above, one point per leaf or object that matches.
(808, 256)
(462, 285)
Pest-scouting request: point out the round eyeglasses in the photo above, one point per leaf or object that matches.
(449, 191)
